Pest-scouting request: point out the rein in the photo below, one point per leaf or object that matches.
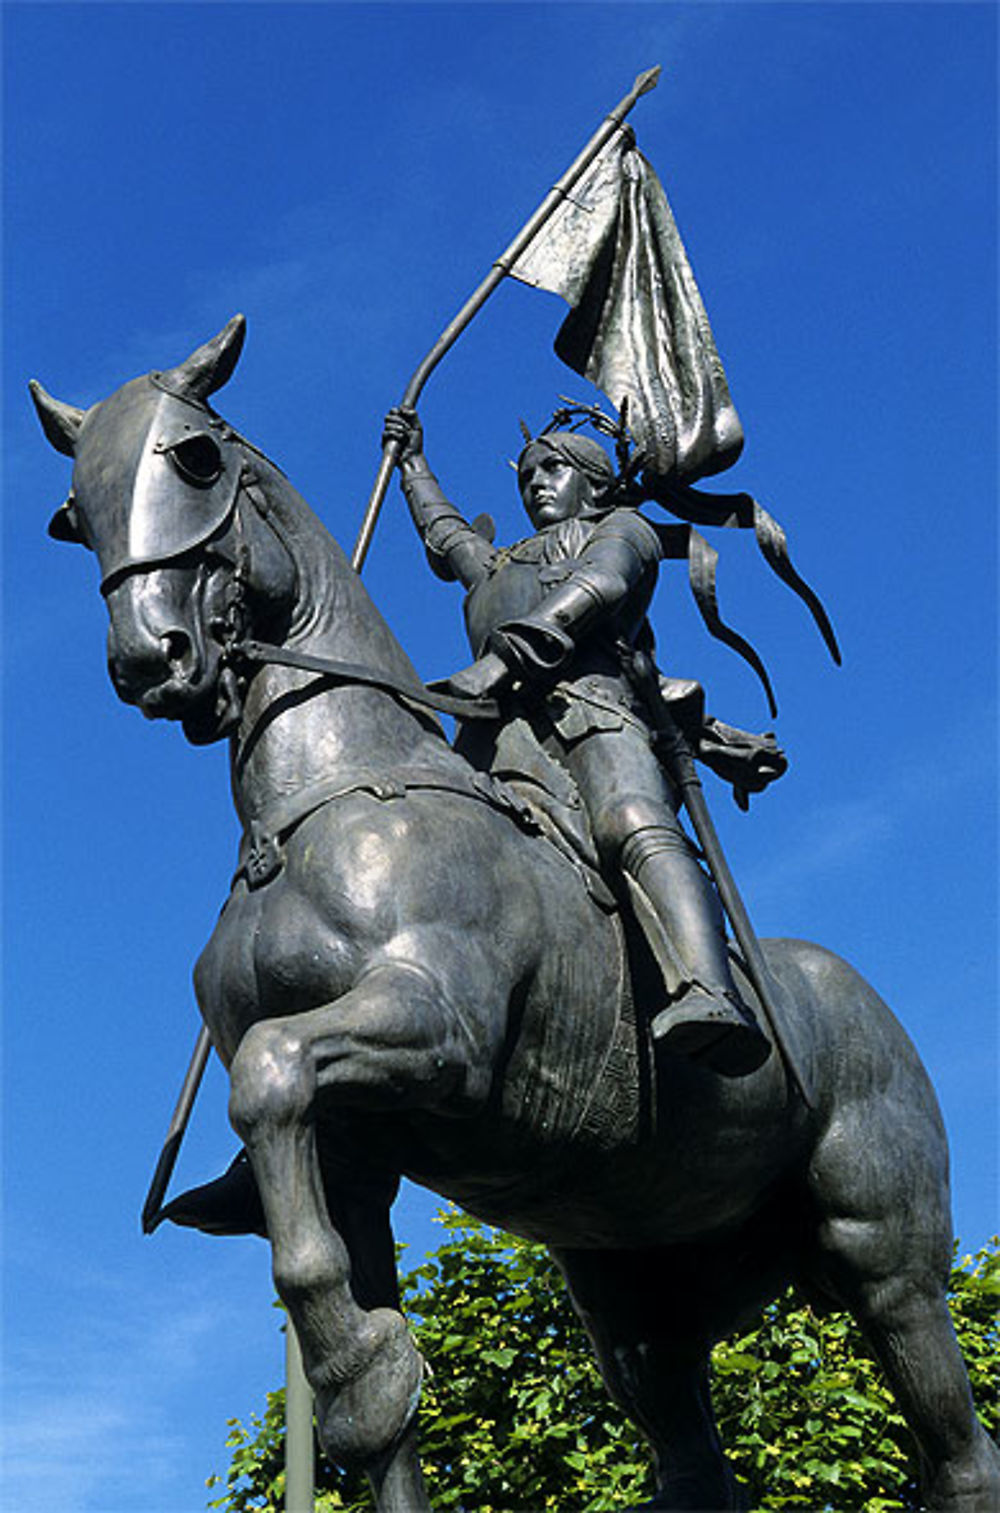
(261, 652)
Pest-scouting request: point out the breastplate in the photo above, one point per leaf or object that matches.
(522, 579)
(513, 590)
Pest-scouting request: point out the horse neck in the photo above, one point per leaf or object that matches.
(296, 730)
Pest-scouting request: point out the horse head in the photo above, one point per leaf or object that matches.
(159, 480)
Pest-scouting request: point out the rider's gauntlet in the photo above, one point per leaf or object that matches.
(539, 644)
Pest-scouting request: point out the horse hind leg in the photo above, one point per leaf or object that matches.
(656, 1368)
(904, 1316)
(358, 1354)
(884, 1253)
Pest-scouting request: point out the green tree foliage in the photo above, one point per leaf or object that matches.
(515, 1416)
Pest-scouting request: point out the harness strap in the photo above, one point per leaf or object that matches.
(261, 856)
(354, 672)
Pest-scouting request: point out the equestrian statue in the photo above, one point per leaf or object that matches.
(499, 967)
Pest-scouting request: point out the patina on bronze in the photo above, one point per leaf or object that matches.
(412, 974)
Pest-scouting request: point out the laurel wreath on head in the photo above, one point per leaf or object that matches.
(630, 457)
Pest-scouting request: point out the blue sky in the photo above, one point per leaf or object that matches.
(345, 175)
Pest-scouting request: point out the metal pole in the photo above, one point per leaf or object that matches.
(300, 1463)
(175, 1133)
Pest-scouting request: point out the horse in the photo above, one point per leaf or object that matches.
(413, 975)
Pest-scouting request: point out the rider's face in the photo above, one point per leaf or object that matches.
(552, 489)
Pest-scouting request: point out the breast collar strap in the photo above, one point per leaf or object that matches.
(261, 853)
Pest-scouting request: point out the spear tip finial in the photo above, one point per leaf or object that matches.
(648, 80)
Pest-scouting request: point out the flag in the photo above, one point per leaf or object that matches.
(637, 328)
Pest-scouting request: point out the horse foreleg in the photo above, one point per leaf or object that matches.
(360, 1361)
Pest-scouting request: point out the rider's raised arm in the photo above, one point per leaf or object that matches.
(614, 575)
(455, 549)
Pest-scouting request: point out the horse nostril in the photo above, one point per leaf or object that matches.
(176, 646)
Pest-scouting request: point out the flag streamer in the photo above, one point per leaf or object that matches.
(742, 512)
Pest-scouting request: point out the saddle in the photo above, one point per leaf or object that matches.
(512, 754)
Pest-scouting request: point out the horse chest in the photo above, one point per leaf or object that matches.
(271, 954)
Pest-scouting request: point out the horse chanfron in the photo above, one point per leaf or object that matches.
(157, 487)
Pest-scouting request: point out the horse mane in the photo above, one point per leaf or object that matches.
(329, 592)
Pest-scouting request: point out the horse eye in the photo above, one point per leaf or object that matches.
(198, 459)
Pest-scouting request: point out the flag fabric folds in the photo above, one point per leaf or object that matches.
(637, 328)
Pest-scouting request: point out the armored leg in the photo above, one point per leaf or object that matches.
(660, 860)
(635, 825)
(706, 1017)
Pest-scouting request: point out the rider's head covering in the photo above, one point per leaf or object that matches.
(581, 452)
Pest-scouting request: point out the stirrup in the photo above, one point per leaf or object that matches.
(714, 1029)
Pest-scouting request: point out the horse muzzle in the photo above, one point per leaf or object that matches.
(162, 681)
(208, 707)
(160, 658)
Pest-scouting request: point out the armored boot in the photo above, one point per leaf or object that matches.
(681, 918)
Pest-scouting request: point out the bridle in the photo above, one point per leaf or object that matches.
(242, 652)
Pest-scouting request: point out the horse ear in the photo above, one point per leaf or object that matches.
(65, 524)
(60, 422)
(210, 366)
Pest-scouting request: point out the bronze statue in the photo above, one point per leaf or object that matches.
(416, 972)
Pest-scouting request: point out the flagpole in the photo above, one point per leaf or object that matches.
(300, 1454)
(499, 271)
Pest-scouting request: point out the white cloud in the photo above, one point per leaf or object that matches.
(91, 1419)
